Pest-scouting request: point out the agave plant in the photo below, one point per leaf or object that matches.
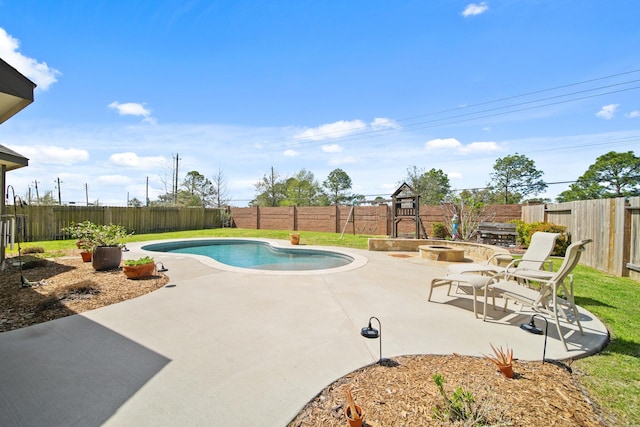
(503, 357)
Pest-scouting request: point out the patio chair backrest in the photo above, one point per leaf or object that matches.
(539, 249)
(571, 258)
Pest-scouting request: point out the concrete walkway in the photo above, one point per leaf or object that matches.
(226, 347)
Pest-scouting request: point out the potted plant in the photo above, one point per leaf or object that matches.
(82, 232)
(353, 412)
(107, 249)
(105, 241)
(294, 238)
(139, 268)
(503, 359)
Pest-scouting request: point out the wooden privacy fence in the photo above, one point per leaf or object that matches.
(46, 222)
(376, 220)
(613, 224)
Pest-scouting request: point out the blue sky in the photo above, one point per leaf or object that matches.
(371, 87)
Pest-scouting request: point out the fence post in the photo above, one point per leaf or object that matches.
(293, 214)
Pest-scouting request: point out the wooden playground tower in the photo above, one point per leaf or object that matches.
(406, 206)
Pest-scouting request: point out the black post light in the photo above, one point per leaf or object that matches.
(532, 328)
(373, 333)
(162, 268)
(16, 199)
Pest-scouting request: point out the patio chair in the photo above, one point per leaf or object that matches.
(534, 258)
(473, 283)
(544, 299)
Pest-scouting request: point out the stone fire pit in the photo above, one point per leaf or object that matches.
(441, 253)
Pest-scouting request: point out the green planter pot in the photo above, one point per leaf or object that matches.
(107, 257)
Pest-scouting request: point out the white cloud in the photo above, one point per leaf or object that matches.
(332, 148)
(479, 147)
(114, 179)
(132, 160)
(342, 161)
(608, 112)
(133, 109)
(53, 155)
(38, 72)
(454, 175)
(332, 130)
(381, 123)
(473, 9)
(291, 153)
(633, 114)
(453, 145)
(448, 143)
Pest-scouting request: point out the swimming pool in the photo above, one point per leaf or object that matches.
(257, 255)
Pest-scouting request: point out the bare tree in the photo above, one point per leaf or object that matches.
(470, 208)
(222, 193)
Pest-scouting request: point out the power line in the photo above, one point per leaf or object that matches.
(467, 107)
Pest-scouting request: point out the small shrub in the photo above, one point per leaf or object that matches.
(563, 241)
(526, 230)
(139, 261)
(461, 406)
(439, 230)
(33, 250)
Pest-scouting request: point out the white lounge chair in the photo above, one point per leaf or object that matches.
(474, 283)
(546, 298)
(534, 258)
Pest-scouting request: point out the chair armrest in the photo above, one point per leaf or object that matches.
(499, 258)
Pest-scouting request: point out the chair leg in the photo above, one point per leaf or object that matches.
(475, 308)
(430, 290)
(438, 282)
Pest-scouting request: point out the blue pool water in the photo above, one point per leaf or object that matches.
(256, 255)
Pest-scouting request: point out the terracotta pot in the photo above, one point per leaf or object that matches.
(107, 257)
(86, 256)
(507, 370)
(294, 238)
(139, 271)
(351, 421)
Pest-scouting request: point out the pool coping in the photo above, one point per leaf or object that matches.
(358, 260)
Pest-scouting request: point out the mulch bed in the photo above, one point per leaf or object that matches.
(406, 394)
(61, 287)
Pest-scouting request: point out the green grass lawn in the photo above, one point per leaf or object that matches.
(611, 377)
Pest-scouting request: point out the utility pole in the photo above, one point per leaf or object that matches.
(147, 193)
(86, 192)
(59, 193)
(175, 181)
(37, 193)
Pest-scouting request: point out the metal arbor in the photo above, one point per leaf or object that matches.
(406, 205)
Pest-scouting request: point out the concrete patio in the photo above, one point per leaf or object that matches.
(222, 346)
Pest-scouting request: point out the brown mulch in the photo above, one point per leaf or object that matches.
(406, 394)
(61, 287)
(401, 395)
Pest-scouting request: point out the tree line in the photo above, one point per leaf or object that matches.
(514, 179)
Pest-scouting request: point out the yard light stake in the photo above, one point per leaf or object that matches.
(24, 283)
(373, 333)
(532, 328)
